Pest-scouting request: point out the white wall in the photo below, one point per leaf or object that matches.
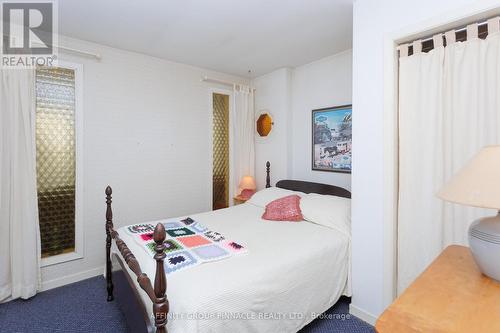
(376, 25)
(290, 94)
(146, 133)
(272, 95)
(323, 83)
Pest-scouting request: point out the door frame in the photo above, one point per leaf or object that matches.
(466, 15)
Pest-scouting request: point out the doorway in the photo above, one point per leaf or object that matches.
(220, 151)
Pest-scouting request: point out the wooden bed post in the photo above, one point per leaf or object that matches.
(157, 294)
(268, 177)
(160, 305)
(109, 226)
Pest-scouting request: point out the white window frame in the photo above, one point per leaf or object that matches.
(79, 232)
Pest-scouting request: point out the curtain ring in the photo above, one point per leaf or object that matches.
(450, 37)
(493, 25)
(438, 40)
(403, 50)
(417, 46)
(472, 31)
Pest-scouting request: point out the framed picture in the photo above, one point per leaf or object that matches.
(332, 139)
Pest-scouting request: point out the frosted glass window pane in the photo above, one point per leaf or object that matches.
(55, 158)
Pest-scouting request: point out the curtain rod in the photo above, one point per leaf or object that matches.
(97, 56)
(463, 28)
(227, 83)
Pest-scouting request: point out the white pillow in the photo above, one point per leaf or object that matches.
(327, 210)
(265, 196)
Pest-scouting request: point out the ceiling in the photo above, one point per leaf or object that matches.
(230, 36)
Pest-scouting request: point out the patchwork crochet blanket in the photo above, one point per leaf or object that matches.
(188, 243)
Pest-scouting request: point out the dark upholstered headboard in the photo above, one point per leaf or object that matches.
(307, 187)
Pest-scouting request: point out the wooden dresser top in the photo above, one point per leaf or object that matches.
(451, 295)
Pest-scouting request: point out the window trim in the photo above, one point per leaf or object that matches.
(79, 232)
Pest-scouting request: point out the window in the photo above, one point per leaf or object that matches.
(57, 156)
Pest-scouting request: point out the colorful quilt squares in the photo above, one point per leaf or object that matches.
(170, 246)
(146, 237)
(178, 260)
(234, 247)
(180, 232)
(193, 241)
(198, 227)
(210, 252)
(172, 225)
(214, 235)
(188, 243)
(188, 221)
(140, 228)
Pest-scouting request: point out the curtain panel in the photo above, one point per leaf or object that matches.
(19, 230)
(243, 128)
(449, 108)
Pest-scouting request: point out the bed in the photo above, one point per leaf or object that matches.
(291, 273)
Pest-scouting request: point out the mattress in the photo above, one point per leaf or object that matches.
(291, 273)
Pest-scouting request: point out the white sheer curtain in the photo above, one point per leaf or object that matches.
(449, 107)
(19, 231)
(243, 145)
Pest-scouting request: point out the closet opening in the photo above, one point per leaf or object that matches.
(446, 113)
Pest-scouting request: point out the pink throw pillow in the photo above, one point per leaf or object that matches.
(284, 209)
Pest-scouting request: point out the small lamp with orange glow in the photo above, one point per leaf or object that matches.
(247, 187)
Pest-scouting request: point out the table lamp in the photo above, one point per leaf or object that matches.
(247, 187)
(478, 185)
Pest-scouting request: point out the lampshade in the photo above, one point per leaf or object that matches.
(478, 183)
(247, 183)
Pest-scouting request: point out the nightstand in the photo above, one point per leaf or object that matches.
(239, 200)
(451, 295)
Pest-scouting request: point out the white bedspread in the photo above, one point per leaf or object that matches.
(291, 272)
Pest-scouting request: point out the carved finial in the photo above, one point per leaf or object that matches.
(160, 305)
(109, 227)
(159, 234)
(268, 177)
(109, 212)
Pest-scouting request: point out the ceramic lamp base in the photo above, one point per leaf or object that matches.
(484, 241)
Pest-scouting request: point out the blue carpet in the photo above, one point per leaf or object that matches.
(337, 319)
(82, 307)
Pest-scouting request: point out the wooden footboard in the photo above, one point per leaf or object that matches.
(158, 293)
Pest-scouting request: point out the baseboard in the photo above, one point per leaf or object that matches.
(64, 280)
(362, 314)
